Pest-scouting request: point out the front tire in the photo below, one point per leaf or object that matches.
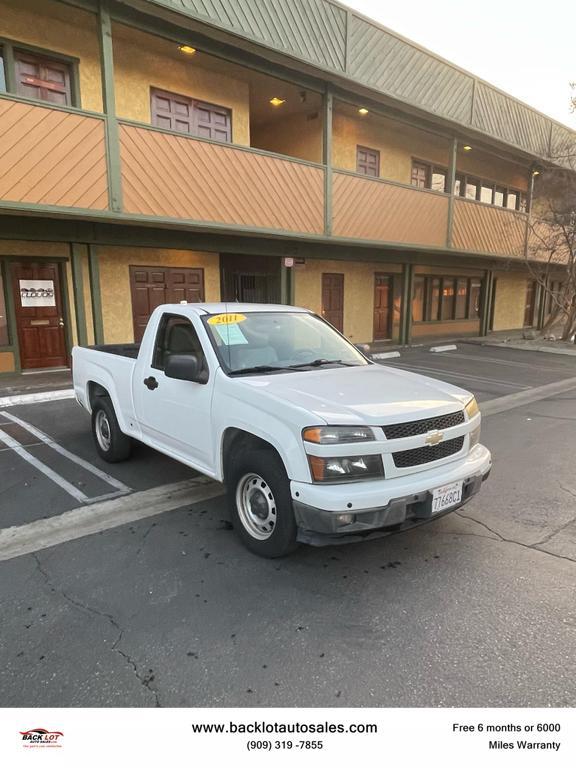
(111, 443)
(260, 504)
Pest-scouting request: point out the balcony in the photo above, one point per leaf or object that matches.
(480, 228)
(55, 159)
(177, 177)
(377, 210)
(52, 157)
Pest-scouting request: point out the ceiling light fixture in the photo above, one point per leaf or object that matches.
(187, 49)
(276, 102)
(535, 172)
(363, 111)
(467, 148)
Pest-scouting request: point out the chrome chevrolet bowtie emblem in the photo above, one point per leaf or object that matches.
(434, 437)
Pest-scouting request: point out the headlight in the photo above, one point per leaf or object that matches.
(334, 435)
(472, 408)
(345, 468)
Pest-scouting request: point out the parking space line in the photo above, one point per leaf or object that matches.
(77, 523)
(41, 467)
(47, 440)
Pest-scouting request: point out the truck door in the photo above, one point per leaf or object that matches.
(175, 414)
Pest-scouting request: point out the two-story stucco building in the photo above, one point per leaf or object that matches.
(295, 151)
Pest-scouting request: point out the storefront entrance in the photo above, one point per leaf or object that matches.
(39, 315)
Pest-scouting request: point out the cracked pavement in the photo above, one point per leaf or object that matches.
(475, 609)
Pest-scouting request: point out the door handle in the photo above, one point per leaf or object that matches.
(151, 382)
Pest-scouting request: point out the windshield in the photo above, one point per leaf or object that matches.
(265, 342)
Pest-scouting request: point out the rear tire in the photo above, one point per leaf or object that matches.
(111, 443)
(260, 503)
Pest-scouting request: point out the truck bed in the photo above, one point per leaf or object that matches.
(123, 350)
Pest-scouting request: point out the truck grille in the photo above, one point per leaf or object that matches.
(427, 453)
(412, 428)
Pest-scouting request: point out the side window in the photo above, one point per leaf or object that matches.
(181, 113)
(367, 161)
(2, 73)
(42, 78)
(420, 175)
(176, 336)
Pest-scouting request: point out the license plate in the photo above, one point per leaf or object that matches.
(447, 496)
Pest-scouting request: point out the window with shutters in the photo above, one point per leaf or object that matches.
(186, 115)
(420, 175)
(367, 161)
(43, 78)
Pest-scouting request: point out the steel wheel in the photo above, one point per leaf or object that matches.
(256, 506)
(103, 431)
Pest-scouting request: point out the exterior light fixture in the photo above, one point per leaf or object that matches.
(187, 49)
(276, 102)
(467, 148)
(363, 111)
(535, 172)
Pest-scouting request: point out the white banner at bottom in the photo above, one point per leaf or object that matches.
(282, 737)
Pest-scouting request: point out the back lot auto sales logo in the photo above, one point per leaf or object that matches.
(40, 737)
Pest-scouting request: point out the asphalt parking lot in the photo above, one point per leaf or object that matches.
(475, 609)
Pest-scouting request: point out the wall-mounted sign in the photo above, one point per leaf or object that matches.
(37, 293)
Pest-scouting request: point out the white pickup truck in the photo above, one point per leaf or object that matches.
(314, 442)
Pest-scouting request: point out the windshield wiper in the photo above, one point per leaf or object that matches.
(259, 369)
(322, 361)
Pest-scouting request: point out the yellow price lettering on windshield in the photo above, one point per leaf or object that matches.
(228, 319)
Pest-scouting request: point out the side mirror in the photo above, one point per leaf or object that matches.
(185, 368)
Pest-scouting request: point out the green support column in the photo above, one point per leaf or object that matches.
(327, 159)
(286, 283)
(487, 285)
(451, 182)
(76, 253)
(109, 99)
(406, 306)
(95, 293)
(9, 67)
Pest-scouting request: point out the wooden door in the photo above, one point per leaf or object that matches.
(530, 306)
(383, 298)
(152, 286)
(333, 299)
(39, 315)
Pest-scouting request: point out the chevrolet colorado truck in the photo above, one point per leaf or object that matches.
(314, 442)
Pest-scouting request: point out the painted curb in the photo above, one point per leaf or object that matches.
(36, 397)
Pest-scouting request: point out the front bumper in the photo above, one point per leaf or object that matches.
(384, 506)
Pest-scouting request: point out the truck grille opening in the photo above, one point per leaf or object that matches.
(427, 453)
(412, 428)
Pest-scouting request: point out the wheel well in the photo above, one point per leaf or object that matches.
(94, 391)
(238, 440)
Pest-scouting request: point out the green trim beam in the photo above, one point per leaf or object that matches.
(76, 254)
(451, 182)
(406, 306)
(96, 294)
(109, 99)
(327, 127)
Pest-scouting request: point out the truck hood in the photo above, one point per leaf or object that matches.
(368, 395)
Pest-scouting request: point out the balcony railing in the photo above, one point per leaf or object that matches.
(56, 158)
(481, 228)
(373, 209)
(52, 157)
(179, 177)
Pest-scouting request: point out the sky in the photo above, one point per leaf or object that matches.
(527, 49)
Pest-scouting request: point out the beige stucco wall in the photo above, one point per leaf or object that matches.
(59, 28)
(358, 292)
(397, 143)
(6, 362)
(143, 61)
(510, 301)
(115, 282)
(295, 135)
